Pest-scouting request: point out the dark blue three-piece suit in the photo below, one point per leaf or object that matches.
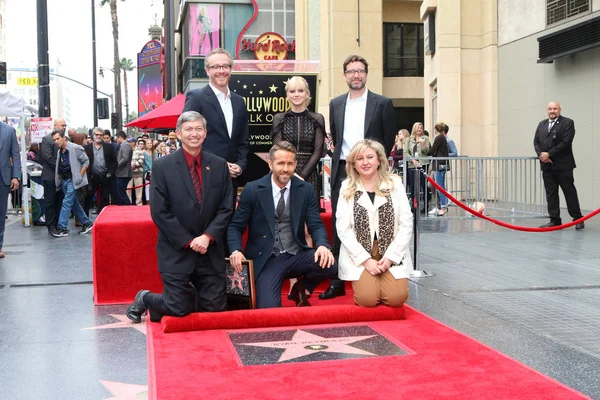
(256, 210)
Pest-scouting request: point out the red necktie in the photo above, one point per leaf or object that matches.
(196, 181)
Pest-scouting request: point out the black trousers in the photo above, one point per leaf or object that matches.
(52, 204)
(286, 266)
(563, 179)
(202, 290)
(105, 189)
(335, 195)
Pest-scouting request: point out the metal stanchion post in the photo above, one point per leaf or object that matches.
(417, 273)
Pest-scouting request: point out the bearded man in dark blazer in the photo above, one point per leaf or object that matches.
(225, 112)
(275, 209)
(191, 193)
(553, 144)
(356, 115)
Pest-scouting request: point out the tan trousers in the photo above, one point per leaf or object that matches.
(370, 290)
(136, 180)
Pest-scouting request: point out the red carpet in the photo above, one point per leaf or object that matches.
(433, 362)
(268, 317)
(124, 253)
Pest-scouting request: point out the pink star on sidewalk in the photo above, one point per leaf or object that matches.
(236, 281)
(304, 343)
(124, 322)
(125, 391)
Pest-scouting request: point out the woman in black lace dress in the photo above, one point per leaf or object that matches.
(303, 128)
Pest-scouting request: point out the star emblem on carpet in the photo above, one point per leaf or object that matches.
(125, 391)
(318, 344)
(124, 322)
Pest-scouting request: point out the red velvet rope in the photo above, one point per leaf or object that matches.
(137, 187)
(504, 224)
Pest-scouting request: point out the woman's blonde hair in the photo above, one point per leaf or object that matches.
(382, 176)
(403, 134)
(415, 128)
(298, 82)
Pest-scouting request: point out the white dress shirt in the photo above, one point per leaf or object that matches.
(354, 123)
(226, 107)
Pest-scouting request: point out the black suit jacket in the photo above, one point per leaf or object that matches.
(256, 211)
(380, 124)
(218, 142)
(110, 158)
(180, 218)
(48, 151)
(558, 143)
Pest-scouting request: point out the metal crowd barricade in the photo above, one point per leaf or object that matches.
(505, 187)
(14, 202)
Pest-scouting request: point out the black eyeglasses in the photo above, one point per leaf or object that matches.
(351, 72)
(225, 67)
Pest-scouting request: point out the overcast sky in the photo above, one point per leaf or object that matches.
(70, 39)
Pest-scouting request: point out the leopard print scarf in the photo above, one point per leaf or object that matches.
(386, 224)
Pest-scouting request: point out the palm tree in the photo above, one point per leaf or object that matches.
(117, 65)
(126, 65)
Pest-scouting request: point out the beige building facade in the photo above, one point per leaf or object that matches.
(526, 86)
(330, 30)
(461, 73)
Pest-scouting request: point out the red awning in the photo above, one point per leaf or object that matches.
(163, 117)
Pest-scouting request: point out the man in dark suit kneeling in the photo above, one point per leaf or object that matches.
(191, 206)
(275, 210)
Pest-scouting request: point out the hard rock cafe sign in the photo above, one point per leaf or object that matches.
(269, 46)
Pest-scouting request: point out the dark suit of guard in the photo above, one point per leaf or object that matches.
(180, 218)
(233, 149)
(558, 142)
(269, 236)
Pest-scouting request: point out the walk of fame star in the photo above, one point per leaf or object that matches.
(273, 88)
(124, 322)
(125, 391)
(311, 344)
(304, 343)
(236, 281)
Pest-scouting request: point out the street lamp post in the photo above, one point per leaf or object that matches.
(95, 79)
(43, 67)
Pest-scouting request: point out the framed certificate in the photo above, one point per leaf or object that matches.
(241, 294)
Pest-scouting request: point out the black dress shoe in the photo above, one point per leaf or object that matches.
(580, 226)
(137, 308)
(332, 292)
(550, 224)
(298, 294)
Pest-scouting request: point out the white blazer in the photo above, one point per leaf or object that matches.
(352, 253)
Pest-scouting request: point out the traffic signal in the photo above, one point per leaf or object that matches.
(102, 108)
(2, 72)
(114, 120)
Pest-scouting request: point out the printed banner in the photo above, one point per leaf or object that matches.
(150, 89)
(39, 128)
(265, 96)
(204, 28)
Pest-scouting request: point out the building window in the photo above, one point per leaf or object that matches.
(402, 49)
(559, 10)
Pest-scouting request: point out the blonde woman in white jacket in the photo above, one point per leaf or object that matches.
(374, 224)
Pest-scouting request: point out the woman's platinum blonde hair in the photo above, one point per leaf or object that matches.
(298, 82)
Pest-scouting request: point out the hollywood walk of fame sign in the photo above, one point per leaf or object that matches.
(264, 95)
(240, 286)
(318, 344)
